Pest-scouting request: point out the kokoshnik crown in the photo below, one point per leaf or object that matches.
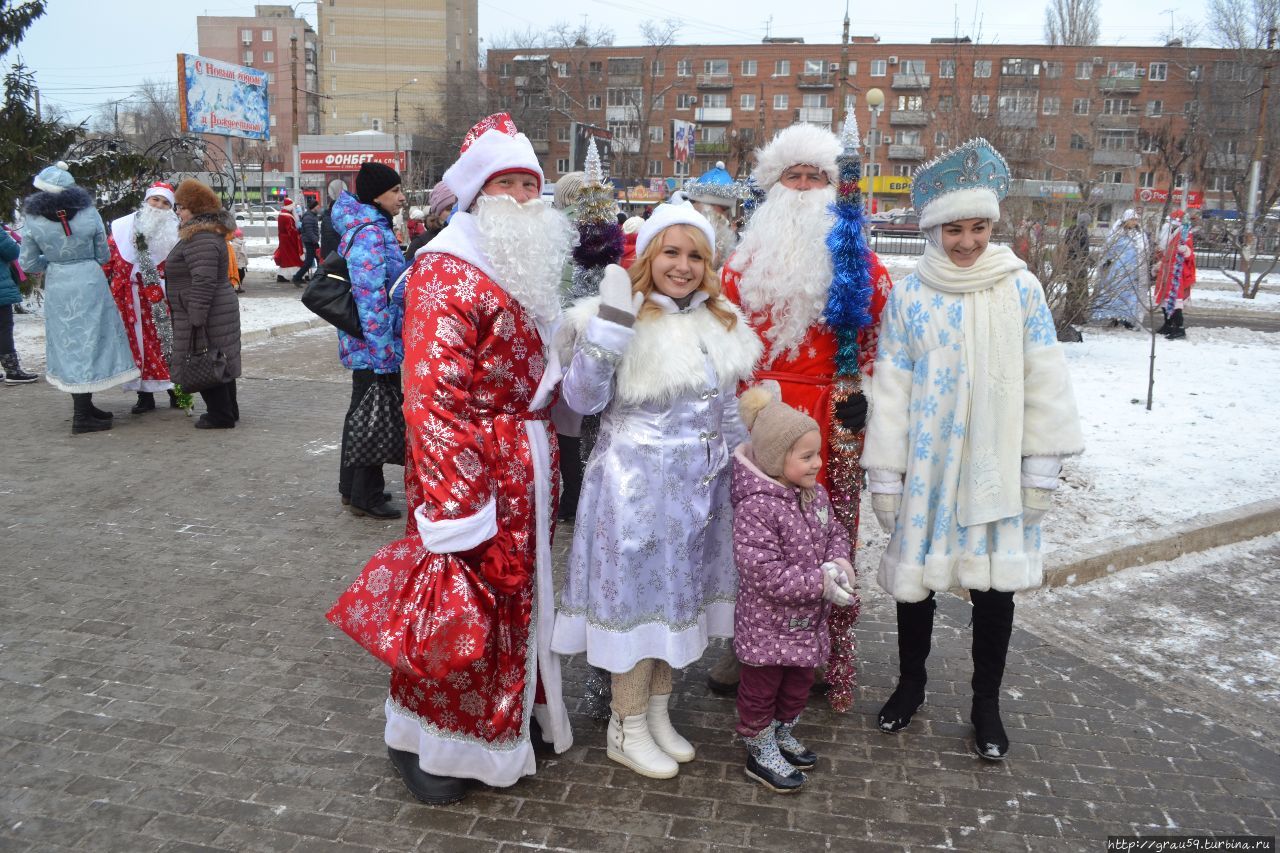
(966, 182)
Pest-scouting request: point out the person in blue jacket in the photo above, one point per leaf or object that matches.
(374, 262)
(10, 296)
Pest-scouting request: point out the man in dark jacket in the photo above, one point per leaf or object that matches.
(329, 235)
(310, 228)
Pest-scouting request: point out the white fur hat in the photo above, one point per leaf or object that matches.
(54, 179)
(666, 215)
(161, 189)
(493, 145)
(805, 144)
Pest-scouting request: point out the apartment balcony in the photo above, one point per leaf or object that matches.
(1120, 85)
(1112, 192)
(906, 152)
(908, 118)
(1011, 118)
(1234, 162)
(814, 115)
(536, 82)
(1118, 121)
(1105, 157)
(626, 80)
(911, 81)
(712, 149)
(715, 81)
(626, 144)
(541, 146)
(713, 115)
(627, 112)
(816, 81)
(1019, 81)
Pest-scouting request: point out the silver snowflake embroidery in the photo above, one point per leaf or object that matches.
(450, 331)
(379, 581)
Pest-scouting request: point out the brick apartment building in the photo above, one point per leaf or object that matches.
(1093, 121)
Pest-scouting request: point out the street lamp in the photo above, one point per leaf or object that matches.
(875, 100)
(395, 120)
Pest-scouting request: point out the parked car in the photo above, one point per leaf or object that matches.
(898, 225)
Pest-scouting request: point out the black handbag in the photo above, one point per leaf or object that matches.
(200, 369)
(375, 428)
(328, 295)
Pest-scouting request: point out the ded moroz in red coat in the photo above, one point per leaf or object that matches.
(134, 300)
(289, 253)
(1168, 264)
(480, 485)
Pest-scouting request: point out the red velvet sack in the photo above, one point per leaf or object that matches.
(422, 614)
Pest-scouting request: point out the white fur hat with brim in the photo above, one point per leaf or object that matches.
(799, 144)
(54, 179)
(493, 146)
(666, 215)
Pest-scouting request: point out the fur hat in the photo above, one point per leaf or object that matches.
(54, 179)
(798, 144)
(667, 215)
(632, 225)
(774, 426)
(374, 179)
(492, 146)
(197, 198)
(159, 188)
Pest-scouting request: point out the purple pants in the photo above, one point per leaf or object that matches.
(768, 693)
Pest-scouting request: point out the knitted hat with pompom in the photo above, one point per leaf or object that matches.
(774, 426)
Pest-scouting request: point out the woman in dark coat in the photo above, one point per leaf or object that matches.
(205, 309)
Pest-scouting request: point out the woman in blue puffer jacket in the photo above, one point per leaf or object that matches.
(374, 261)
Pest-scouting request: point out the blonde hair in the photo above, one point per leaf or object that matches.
(641, 273)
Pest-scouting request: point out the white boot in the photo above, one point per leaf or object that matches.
(664, 734)
(630, 744)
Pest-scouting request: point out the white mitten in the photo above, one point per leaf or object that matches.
(886, 509)
(1035, 503)
(615, 291)
(835, 585)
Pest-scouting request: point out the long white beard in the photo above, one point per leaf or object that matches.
(159, 227)
(527, 246)
(786, 268)
(726, 238)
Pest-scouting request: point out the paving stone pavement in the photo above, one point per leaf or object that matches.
(168, 683)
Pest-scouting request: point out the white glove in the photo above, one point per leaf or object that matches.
(886, 509)
(1184, 250)
(1035, 503)
(615, 291)
(835, 585)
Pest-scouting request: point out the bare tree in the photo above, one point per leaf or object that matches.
(1072, 22)
(1242, 24)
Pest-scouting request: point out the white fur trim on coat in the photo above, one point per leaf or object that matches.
(665, 357)
(805, 144)
(451, 535)
(493, 152)
(973, 203)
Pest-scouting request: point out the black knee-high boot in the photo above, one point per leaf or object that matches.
(1176, 326)
(992, 625)
(82, 417)
(915, 635)
(1167, 326)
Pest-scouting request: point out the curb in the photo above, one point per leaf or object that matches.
(281, 330)
(1107, 556)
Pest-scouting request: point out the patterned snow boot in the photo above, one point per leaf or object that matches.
(13, 372)
(796, 753)
(766, 765)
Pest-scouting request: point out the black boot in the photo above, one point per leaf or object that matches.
(1167, 326)
(96, 412)
(82, 419)
(1176, 331)
(992, 625)
(915, 635)
(146, 403)
(173, 400)
(426, 787)
(13, 372)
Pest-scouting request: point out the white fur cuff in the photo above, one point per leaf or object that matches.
(973, 203)
(450, 535)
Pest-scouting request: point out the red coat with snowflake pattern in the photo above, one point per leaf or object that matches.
(134, 301)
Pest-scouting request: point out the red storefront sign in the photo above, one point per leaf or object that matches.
(1148, 195)
(348, 161)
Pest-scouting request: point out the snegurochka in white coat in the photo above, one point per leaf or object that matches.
(651, 576)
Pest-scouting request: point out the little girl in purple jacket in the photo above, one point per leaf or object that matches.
(793, 564)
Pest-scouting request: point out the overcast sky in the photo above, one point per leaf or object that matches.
(85, 52)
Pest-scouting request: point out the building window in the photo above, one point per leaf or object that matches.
(782, 68)
(981, 68)
(815, 101)
(748, 68)
(1195, 73)
(684, 67)
(779, 102)
(623, 97)
(980, 104)
(562, 133)
(875, 137)
(717, 67)
(1155, 109)
(911, 66)
(1127, 70)
(273, 120)
(1084, 70)
(1111, 177)
(268, 35)
(941, 139)
(1078, 143)
(1019, 67)
(1116, 106)
(660, 102)
(906, 137)
(815, 66)
(562, 69)
(1219, 184)
(655, 168)
(655, 133)
(333, 82)
(1050, 105)
(563, 102)
(1146, 180)
(268, 56)
(1018, 101)
(1158, 71)
(871, 170)
(747, 102)
(1116, 140)
(903, 171)
(947, 68)
(246, 36)
(595, 67)
(333, 56)
(853, 68)
(504, 70)
(562, 165)
(655, 68)
(914, 103)
(680, 169)
(712, 134)
(593, 102)
(247, 57)
(717, 101)
(879, 67)
(1049, 142)
(946, 103)
(684, 102)
(333, 28)
(1147, 143)
(1053, 70)
(1080, 106)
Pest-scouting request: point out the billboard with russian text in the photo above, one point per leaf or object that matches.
(218, 97)
(349, 161)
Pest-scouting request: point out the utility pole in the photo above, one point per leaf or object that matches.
(844, 70)
(38, 116)
(1259, 151)
(297, 167)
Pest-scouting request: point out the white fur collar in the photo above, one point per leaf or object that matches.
(667, 356)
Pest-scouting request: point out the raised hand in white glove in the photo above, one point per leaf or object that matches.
(1035, 503)
(835, 585)
(616, 296)
(886, 509)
